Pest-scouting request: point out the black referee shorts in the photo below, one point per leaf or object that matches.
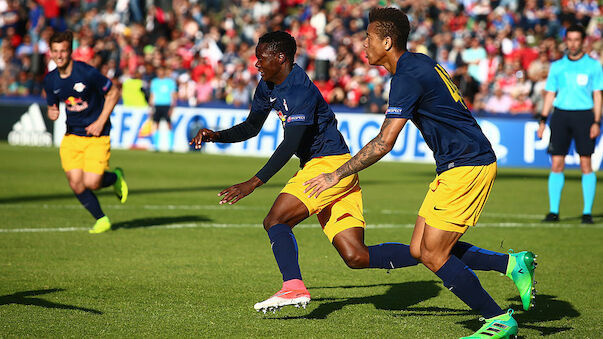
(161, 112)
(568, 125)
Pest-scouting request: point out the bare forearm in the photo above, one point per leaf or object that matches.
(111, 100)
(368, 155)
(597, 100)
(549, 97)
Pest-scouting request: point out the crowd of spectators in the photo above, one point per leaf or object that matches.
(497, 52)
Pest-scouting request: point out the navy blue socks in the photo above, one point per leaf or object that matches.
(284, 248)
(480, 259)
(108, 179)
(461, 281)
(90, 202)
(390, 255)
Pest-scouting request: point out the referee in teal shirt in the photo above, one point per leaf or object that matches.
(573, 88)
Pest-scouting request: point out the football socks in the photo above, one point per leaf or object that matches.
(589, 185)
(480, 259)
(90, 202)
(108, 179)
(284, 247)
(556, 181)
(390, 255)
(461, 281)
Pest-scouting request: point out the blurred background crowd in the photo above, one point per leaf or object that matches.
(497, 52)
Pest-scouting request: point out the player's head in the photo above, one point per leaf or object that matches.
(387, 32)
(60, 48)
(574, 37)
(275, 51)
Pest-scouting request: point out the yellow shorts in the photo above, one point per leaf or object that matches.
(338, 208)
(456, 197)
(90, 154)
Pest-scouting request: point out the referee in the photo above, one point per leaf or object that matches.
(573, 87)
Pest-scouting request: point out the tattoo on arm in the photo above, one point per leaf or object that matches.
(368, 155)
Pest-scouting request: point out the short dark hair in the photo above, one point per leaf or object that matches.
(577, 28)
(280, 42)
(62, 36)
(393, 23)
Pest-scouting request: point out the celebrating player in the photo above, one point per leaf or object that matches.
(89, 98)
(310, 133)
(422, 91)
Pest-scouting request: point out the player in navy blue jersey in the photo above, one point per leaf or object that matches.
(311, 134)
(573, 87)
(89, 99)
(422, 91)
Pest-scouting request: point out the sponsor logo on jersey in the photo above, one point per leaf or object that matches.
(394, 110)
(75, 104)
(297, 117)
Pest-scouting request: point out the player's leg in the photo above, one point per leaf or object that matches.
(286, 212)
(558, 148)
(436, 246)
(589, 186)
(585, 146)
(96, 162)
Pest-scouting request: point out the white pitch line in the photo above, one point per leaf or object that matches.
(243, 208)
(217, 225)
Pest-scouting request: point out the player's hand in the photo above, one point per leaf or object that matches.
(540, 131)
(202, 136)
(320, 183)
(95, 128)
(595, 130)
(237, 192)
(53, 112)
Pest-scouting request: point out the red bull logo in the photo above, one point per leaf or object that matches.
(75, 104)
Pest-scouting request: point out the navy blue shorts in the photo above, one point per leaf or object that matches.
(568, 125)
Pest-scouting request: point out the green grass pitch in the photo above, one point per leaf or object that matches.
(179, 265)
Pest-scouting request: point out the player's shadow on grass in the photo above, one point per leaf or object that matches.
(397, 297)
(28, 298)
(159, 221)
(132, 192)
(548, 308)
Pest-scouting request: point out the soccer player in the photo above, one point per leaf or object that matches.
(573, 87)
(422, 91)
(89, 99)
(311, 133)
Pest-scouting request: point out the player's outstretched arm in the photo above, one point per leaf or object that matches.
(237, 192)
(368, 155)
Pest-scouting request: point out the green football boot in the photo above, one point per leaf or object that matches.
(120, 187)
(520, 269)
(502, 326)
(102, 225)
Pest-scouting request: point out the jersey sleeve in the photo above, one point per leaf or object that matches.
(403, 97)
(100, 81)
(552, 84)
(301, 108)
(597, 76)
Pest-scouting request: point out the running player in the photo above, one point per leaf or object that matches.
(573, 87)
(422, 91)
(89, 99)
(311, 133)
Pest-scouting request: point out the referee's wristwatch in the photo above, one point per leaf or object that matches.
(597, 122)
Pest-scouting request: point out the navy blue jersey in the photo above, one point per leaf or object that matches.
(297, 101)
(83, 93)
(422, 91)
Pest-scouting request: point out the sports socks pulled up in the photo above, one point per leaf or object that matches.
(90, 202)
(390, 255)
(284, 247)
(556, 182)
(589, 186)
(108, 179)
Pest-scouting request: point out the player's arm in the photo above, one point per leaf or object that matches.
(368, 155)
(237, 133)
(595, 129)
(111, 99)
(52, 101)
(547, 106)
(282, 154)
